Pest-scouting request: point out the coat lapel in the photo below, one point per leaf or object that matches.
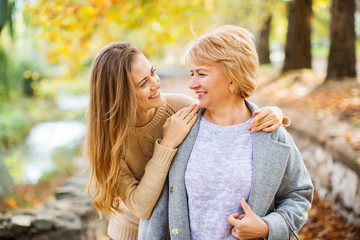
(269, 160)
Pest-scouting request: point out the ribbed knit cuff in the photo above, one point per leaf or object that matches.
(286, 121)
(162, 156)
(122, 231)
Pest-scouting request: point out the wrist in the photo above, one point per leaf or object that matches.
(166, 144)
(265, 229)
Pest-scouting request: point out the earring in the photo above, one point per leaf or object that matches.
(231, 88)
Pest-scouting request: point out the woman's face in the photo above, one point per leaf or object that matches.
(210, 84)
(147, 84)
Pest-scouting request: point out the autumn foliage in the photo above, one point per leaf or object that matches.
(72, 31)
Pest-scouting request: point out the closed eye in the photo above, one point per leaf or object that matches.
(143, 83)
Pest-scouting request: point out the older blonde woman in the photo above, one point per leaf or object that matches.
(226, 182)
(133, 134)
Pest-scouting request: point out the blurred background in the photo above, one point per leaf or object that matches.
(308, 51)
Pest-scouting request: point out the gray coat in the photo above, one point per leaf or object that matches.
(281, 191)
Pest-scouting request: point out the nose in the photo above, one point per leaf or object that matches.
(155, 82)
(194, 83)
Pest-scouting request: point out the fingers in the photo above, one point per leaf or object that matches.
(191, 114)
(264, 125)
(241, 216)
(183, 113)
(178, 126)
(188, 114)
(232, 219)
(272, 128)
(245, 206)
(269, 118)
(235, 234)
(258, 120)
(258, 111)
(191, 122)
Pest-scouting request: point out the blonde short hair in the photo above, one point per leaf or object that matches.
(233, 48)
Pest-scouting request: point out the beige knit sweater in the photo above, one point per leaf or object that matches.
(146, 165)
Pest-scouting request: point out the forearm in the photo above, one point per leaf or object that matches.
(141, 196)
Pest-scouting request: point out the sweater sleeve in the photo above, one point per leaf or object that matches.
(293, 199)
(123, 225)
(141, 196)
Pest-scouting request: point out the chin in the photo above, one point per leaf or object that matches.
(160, 102)
(203, 105)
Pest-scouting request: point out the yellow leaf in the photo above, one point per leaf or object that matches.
(11, 203)
(87, 12)
(27, 74)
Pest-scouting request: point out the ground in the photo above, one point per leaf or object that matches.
(304, 95)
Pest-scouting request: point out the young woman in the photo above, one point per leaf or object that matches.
(225, 181)
(133, 134)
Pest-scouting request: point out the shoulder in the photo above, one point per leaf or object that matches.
(282, 136)
(178, 101)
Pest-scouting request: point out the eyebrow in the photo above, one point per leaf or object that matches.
(152, 68)
(198, 69)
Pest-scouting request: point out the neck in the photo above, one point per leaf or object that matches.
(143, 117)
(234, 112)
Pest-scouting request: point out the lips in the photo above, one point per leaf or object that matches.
(201, 93)
(155, 95)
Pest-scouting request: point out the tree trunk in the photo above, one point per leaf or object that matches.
(298, 45)
(342, 59)
(264, 45)
(3, 13)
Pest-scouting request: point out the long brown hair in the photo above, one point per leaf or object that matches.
(111, 116)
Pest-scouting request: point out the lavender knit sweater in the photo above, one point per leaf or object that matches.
(218, 175)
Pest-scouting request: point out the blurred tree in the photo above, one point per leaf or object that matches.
(342, 59)
(6, 9)
(6, 19)
(320, 37)
(256, 16)
(264, 42)
(298, 45)
(75, 30)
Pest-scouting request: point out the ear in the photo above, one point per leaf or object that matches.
(231, 87)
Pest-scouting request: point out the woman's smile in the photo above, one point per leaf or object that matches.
(201, 94)
(155, 95)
